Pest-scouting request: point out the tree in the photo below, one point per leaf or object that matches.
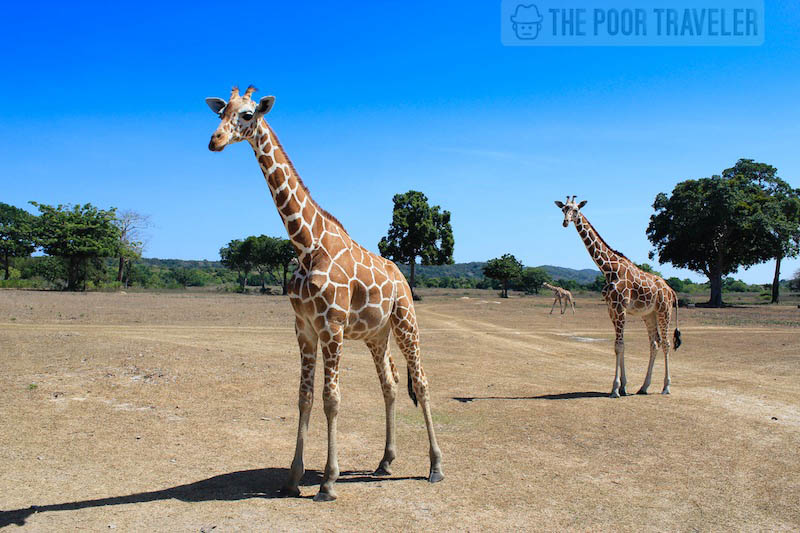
(284, 254)
(238, 256)
(646, 267)
(598, 284)
(418, 230)
(16, 234)
(503, 269)
(81, 235)
(710, 225)
(780, 209)
(794, 284)
(532, 279)
(131, 236)
(676, 283)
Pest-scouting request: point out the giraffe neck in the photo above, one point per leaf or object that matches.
(606, 259)
(302, 217)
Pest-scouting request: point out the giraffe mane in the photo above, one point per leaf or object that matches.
(617, 252)
(325, 213)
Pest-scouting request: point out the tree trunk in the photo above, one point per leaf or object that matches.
(505, 288)
(285, 283)
(716, 288)
(776, 281)
(121, 267)
(411, 281)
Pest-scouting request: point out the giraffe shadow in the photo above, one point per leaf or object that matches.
(560, 396)
(245, 484)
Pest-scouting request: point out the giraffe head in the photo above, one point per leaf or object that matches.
(570, 209)
(239, 115)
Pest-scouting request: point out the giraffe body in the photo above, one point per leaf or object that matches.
(340, 290)
(629, 291)
(561, 294)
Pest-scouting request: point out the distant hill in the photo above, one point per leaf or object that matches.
(458, 270)
(180, 263)
(475, 270)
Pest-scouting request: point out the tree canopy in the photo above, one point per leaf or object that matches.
(532, 279)
(418, 230)
(16, 234)
(713, 226)
(81, 235)
(503, 269)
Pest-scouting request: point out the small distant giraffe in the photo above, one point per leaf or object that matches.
(560, 293)
(629, 291)
(340, 290)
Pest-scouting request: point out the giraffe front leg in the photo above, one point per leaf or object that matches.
(387, 374)
(331, 353)
(554, 305)
(618, 387)
(307, 339)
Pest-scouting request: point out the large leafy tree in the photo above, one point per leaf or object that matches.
(271, 254)
(238, 255)
(503, 269)
(80, 235)
(711, 225)
(418, 230)
(780, 212)
(532, 279)
(16, 234)
(284, 253)
(132, 238)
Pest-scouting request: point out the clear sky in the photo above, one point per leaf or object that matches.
(103, 103)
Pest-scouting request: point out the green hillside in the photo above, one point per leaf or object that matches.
(474, 270)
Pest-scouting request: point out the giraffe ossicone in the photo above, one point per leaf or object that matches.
(340, 290)
(628, 291)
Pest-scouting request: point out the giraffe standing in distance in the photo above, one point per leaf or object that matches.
(629, 291)
(561, 294)
(339, 291)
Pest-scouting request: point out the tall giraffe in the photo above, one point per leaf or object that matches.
(339, 291)
(559, 294)
(628, 291)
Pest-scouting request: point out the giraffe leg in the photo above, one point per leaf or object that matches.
(663, 329)
(556, 299)
(652, 332)
(618, 387)
(307, 339)
(572, 303)
(331, 353)
(404, 325)
(562, 304)
(387, 373)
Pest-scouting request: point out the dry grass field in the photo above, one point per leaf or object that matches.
(177, 412)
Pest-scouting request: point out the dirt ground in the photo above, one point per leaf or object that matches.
(177, 412)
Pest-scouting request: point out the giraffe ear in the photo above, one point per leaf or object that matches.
(216, 104)
(264, 105)
(560, 205)
(583, 203)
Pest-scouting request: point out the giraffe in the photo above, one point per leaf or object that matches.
(561, 293)
(628, 291)
(340, 290)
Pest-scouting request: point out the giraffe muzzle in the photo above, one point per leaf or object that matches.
(216, 144)
(565, 223)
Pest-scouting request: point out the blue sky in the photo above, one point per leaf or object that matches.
(103, 103)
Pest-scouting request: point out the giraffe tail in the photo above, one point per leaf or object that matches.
(411, 393)
(676, 337)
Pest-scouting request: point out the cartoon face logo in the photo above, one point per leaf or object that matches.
(527, 22)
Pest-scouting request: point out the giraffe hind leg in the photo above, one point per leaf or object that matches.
(406, 333)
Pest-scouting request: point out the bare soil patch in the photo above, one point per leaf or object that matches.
(177, 412)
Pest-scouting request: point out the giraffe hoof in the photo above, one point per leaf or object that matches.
(291, 492)
(665, 391)
(324, 497)
(382, 471)
(623, 392)
(643, 392)
(435, 477)
(614, 394)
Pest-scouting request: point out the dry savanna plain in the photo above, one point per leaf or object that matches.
(177, 412)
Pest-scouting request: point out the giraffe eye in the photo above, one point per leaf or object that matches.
(247, 115)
